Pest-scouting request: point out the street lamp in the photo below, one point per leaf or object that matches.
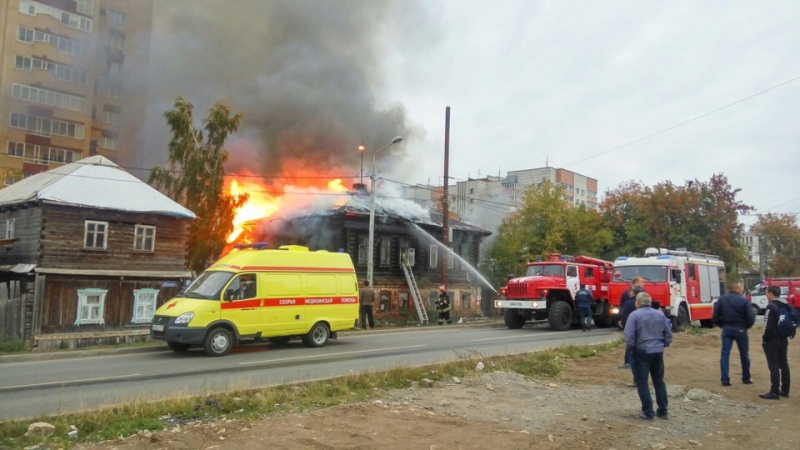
(362, 149)
(373, 178)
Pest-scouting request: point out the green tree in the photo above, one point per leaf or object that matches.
(701, 217)
(780, 244)
(543, 223)
(195, 177)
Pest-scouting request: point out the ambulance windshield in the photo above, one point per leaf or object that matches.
(208, 285)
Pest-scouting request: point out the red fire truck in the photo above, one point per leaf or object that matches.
(686, 284)
(547, 291)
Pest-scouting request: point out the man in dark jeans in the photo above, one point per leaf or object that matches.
(647, 335)
(627, 305)
(735, 316)
(776, 348)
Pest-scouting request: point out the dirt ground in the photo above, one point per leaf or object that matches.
(590, 406)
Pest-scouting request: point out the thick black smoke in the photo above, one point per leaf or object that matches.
(307, 74)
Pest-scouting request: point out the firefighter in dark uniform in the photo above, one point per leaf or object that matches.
(443, 306)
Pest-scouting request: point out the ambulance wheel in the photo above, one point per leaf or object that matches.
(280, 340)
(318, 335)
(756, 309)
(560, 316)
(512, 319)
(218, 342)
(176, 347)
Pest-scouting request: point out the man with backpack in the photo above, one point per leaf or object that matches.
(781, 325)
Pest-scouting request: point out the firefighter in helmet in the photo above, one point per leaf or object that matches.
(443, 306)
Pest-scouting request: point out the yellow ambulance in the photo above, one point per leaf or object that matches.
(255, 294)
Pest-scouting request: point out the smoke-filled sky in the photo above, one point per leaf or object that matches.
(615, 90)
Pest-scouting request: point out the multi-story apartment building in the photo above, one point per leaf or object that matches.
(68, 87)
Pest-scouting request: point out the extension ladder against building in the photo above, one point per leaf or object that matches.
(412, 284)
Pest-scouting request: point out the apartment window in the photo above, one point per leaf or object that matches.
(385, 251)
(91, 304)
(10, 223)
(363, 248)
(16, 149)
(109, 143)
(45, 126)
(144, 305)
(85, 6)
(465, 300)
(48, 97)
(117, 17)
(145, 238)
(71, 74)
(116, 42)
(111, 118)
(95, 235)
(41, 154)
(113, 92)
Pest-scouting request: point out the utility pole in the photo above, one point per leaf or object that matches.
(445, 199)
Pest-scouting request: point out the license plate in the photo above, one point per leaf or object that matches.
(158, 327)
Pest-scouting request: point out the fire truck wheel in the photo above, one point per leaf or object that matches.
(560, 316)
(218, 342)
(513, 320)
(318, 335)
(682, 322)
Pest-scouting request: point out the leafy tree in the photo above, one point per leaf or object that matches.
(780, 244)
(195, 177)
(701, 217)
(544, 223)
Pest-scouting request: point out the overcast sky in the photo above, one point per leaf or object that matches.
(594, 87)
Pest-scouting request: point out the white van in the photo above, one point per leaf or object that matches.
(758, 297)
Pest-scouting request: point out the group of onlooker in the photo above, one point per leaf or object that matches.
(648, 332)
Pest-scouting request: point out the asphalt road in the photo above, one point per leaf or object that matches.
(46, 386)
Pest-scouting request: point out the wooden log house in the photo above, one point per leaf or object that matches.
(417, 235)
(94, 251)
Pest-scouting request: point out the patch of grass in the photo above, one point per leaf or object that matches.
(247, 404)
(697, 331)
(13, 346)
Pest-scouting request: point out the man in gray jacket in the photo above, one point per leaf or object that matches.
(646, 336)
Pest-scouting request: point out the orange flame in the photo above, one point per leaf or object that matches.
(336, 185)
(259, 206)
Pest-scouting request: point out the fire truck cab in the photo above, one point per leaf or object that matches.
(547, 292)
(686, 284)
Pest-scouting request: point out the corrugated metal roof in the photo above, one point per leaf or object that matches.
(18, 268)
(94, 182)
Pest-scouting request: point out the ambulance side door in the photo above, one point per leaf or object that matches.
(283, 302)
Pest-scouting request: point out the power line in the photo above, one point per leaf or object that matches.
(636, 141)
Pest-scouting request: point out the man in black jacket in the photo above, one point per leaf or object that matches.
(775, 348)
(734, 315)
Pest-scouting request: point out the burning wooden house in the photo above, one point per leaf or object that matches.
(402, 229)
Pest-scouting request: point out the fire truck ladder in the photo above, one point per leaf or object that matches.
(412, 284)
